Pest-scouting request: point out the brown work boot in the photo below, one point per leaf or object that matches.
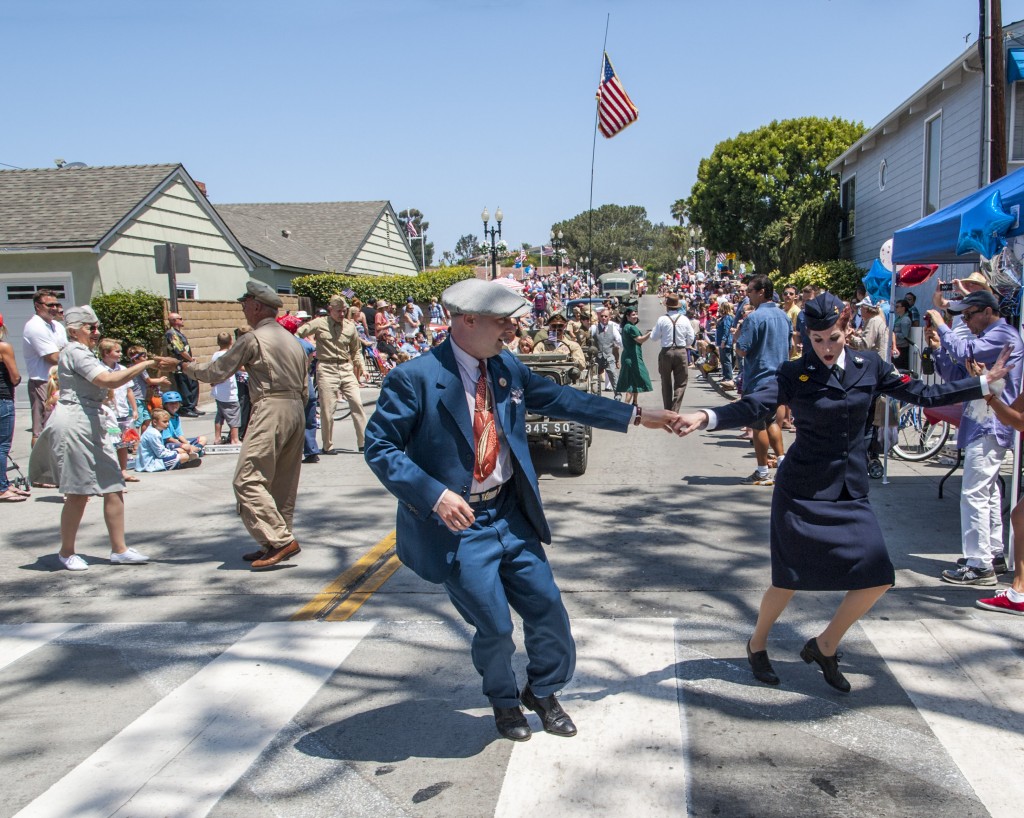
(276, 555)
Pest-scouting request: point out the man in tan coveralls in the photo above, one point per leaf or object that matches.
(267, 476)
(339, 365)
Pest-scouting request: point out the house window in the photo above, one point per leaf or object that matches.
(883, 171)
(848, 201)
(25, 292)
(1017, 123)
(187, 292)
(284, 291)
(932, 156)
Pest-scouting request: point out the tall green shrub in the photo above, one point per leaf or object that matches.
(840, 277)
(394, 288)
(133, 316)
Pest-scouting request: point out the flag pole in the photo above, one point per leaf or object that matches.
(593, 154)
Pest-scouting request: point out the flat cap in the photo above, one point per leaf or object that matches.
(980, 299)
(474, 296)
(822, 311)
(77, 316)
(263, 293)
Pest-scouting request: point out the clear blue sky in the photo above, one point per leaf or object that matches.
(448, 105)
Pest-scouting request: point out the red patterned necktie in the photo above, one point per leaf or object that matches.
(485, 433)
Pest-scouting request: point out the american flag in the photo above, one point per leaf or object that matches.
(615, 110)
(410, 228)
(720, 258)
(521, 257)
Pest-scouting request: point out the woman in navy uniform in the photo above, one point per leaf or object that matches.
(824, 534)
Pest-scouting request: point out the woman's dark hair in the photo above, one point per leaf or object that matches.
(904, 303)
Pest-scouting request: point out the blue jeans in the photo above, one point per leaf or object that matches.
(725, 360)
(6, 436)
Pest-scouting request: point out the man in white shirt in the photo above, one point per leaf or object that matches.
(674, 333)
(607, 340)
(43, 339)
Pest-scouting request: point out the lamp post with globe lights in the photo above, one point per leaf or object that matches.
(494, 233)
(556, 247)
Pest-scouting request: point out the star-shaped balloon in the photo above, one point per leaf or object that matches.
(878, 282)
(982, 228)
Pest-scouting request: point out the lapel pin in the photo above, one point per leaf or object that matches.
(805, 377)
(502, 383)
(858, 360)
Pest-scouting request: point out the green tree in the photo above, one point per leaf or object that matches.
(620, 233)
(760, 177)
(465, 248)
(680, 211)
(416, 217)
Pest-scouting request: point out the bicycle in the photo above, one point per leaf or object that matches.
(918, 437)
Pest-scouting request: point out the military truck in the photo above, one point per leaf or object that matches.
(555, 433)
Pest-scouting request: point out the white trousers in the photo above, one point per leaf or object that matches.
(981, 518)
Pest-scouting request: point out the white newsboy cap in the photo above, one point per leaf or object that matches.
(263, 293)
(474, 296)
(77, 316)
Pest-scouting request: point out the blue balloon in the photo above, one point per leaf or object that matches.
(982, 228)
(878, 282)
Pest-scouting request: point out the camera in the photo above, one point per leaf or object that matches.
(946, 286)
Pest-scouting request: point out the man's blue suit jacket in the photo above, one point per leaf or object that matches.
(419, 442)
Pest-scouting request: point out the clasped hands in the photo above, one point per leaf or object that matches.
(165, 363)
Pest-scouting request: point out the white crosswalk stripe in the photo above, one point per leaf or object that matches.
(625, 694)
(982, 724)
(183, 754)
(18, 640)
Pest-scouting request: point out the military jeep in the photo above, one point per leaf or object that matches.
(554, 432)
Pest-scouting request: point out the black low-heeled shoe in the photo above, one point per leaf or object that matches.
(762, 666)
(829, 665)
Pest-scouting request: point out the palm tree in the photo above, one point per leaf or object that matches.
(680, 211)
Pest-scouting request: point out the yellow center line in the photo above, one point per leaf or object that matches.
(354, 601)
(345, 581)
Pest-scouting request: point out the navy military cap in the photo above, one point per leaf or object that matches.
(822, 311)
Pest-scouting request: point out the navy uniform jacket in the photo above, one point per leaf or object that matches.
(830, 449)
(419, 442)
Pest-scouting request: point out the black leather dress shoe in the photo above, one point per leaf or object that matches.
(555, 720)
(829, 665)
(762, 666)
(512, 724)
(311, 458)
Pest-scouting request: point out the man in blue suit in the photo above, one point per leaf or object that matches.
(469, 512)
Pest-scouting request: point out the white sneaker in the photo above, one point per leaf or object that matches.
(129, 557)
(73, 563)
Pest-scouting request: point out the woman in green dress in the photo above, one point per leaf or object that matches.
(633, 375)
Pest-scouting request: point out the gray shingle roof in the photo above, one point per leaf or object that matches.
(71, 207)
(324, 235)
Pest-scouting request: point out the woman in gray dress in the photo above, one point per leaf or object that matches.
(77, 444)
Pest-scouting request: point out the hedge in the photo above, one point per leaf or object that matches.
(840, 277)
(395, 288)
(133, 317)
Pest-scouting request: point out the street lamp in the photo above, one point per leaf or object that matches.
(493, 232)
(556, 247)
(694, 238)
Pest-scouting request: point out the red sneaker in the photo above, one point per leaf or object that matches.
(1001, 602)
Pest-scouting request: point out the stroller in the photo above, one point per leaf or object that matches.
(19, 482)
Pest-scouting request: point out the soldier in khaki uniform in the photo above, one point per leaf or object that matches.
(563, 343)
(267, 476)
(339, 366)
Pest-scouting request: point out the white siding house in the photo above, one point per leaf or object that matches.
(926, 154)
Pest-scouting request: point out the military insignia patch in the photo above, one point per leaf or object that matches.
(805, 377)
(904, 379)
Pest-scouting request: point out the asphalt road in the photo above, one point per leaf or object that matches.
(341, 683)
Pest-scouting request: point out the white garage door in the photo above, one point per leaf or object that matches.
(16, 291)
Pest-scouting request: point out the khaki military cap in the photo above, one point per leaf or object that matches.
(263, 293)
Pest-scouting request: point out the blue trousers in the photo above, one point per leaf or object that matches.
(6, 436)
(309, 444)
(501, 563)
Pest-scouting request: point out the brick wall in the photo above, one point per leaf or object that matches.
(205, 319)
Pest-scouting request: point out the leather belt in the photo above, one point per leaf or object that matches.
(663, 349)
(485, 496)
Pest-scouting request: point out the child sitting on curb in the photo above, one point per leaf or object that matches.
(153, 455)
(172, 435)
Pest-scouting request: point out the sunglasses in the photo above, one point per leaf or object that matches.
(92, 327)
(969, 314)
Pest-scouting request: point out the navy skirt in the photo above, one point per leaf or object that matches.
(827, 545)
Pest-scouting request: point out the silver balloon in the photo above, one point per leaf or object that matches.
(1005, 270)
